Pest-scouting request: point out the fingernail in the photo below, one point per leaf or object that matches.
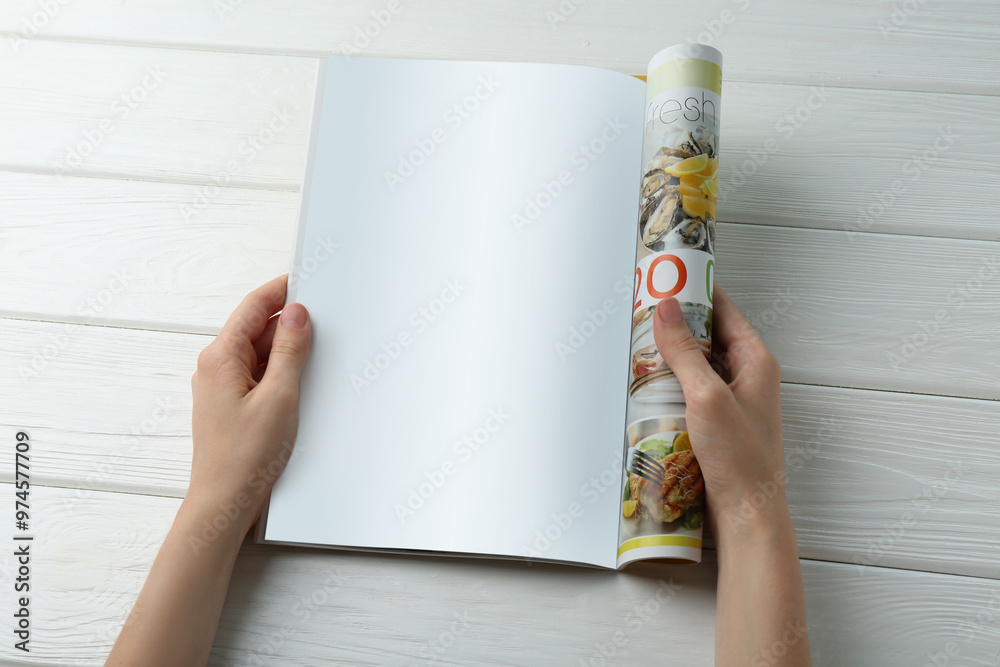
(293, 316)
(670, 311)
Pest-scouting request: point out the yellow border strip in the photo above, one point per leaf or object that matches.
(693, 72)
(660, 541)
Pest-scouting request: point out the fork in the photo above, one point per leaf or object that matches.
(643, 464)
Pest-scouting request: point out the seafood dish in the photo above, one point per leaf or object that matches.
(678, 194)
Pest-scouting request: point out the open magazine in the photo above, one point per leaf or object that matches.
(481, 247)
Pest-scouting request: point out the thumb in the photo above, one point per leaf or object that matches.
(289, 348)
(680, 350)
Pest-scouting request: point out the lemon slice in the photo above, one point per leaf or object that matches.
(698, 207)
(712, 168)
(708, 188)
(694, 181)
(682, 442)
(692, 165)
(690, 190)
(628, 508)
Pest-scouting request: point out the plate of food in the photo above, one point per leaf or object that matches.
(676, 500)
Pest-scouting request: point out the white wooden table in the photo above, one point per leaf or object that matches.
(863, 242)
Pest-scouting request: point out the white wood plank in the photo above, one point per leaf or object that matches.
(881, 616)
(91, 559)
(206, 118)
(870, 310)
(860, 160)
(841, 158)
(838, 308)
(876, 45)
(112, 405)
(857, 460)
(844, 302)
(138, 254)
(897, 480)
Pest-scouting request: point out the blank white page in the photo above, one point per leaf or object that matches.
(473, 431)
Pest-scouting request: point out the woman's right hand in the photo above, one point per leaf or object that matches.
(733, 420)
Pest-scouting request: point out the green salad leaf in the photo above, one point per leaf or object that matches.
(694, 522)
(658, 448)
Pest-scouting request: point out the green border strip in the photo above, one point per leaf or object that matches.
(693, 72)
(660, 541)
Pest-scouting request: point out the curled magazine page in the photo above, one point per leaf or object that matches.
(662, 486)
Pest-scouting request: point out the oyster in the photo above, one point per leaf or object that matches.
(690, 143)
(652, 182)
(659, 214)
(706, 140)
(689, 233)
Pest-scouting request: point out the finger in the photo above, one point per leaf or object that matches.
(262, 346)
(681, 351)
(744, 354)
(248, 321)
(289, 349)
(730, 325)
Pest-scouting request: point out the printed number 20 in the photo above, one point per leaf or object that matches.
(679, 283)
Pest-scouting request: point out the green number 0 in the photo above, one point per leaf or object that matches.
(708, 279)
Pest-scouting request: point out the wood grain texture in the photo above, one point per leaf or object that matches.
(819, 157)
(876, 121)
(206, 118)
(857, 461)
(917, 46)
(872, 310)
(140, 254)
(848, 159)
(312, 607)
(894, 480)
(863, 310)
